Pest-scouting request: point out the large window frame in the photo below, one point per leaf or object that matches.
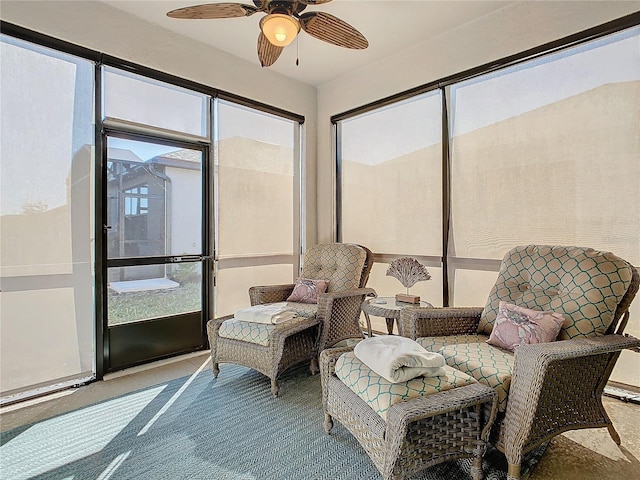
(114, 126)
(266, 264)
(450, 262)
(48, 244)
(470, 276)
(390, 205)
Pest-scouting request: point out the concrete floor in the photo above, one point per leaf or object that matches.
(578, 455)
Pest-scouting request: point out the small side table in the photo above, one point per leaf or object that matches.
(387, 307)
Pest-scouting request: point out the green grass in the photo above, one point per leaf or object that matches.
(135, 306)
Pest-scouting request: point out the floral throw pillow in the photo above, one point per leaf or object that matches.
(307, 290)
(516, 326)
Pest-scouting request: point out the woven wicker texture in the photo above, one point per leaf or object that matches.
(270, 349)
(418, 433)
(556, 386)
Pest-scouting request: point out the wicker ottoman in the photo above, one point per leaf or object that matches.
(416, 433)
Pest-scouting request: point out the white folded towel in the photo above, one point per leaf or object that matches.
(271, 313)
(399, 359)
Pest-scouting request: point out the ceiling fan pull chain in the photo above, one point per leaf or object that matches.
(298, 50)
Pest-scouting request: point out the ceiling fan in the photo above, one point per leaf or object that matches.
(281, 24)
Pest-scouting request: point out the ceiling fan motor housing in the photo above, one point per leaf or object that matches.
(285, 7)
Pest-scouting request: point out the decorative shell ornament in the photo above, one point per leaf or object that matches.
(408, 271)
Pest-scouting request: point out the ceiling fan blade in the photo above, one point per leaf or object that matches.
(268, 53)
(214, 10)
(328, 28)
(313, 2)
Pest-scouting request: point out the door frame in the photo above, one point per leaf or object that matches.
(139, 342)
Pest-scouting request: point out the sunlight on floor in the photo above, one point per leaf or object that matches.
(173, 398)
(113, 466)
(64, 439)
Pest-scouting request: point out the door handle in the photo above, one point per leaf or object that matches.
(190, 258)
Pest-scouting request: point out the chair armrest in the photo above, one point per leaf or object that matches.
(328, 359)
(295, 325)
(576, 347)
(365, 292)
(349, 299)
(416, 322)
(213, 326)
(557, 385)
(339, 314)
(270, 293)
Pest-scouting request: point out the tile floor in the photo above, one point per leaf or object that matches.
(579, 455)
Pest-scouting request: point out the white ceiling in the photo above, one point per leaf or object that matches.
(390, 26)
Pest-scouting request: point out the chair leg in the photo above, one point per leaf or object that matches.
(614, 435)
(476, 469)
(328, 423)
(216, 369)
(513, 473)
(314, 366)
(275, 388)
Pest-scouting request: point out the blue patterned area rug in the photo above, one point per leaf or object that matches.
(198, 427)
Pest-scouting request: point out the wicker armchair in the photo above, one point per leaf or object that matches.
(272, 349)
(416, 432)
(547, 388)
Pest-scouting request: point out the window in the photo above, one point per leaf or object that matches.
(258, 202)
(133, 100)
(136, 201)
(391, 179)
(158, 212)
(46, 218)
(543, 151)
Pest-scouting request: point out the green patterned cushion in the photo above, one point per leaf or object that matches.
(259, 332)
(246, 331)
(435, 344)
(380, 394)
(582, 284)
(487, 364)
(340, 263)
(472, 355)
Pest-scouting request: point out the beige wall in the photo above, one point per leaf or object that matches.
(395, 206)
(254, 177)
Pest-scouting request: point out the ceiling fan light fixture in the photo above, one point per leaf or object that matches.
(280, 29)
